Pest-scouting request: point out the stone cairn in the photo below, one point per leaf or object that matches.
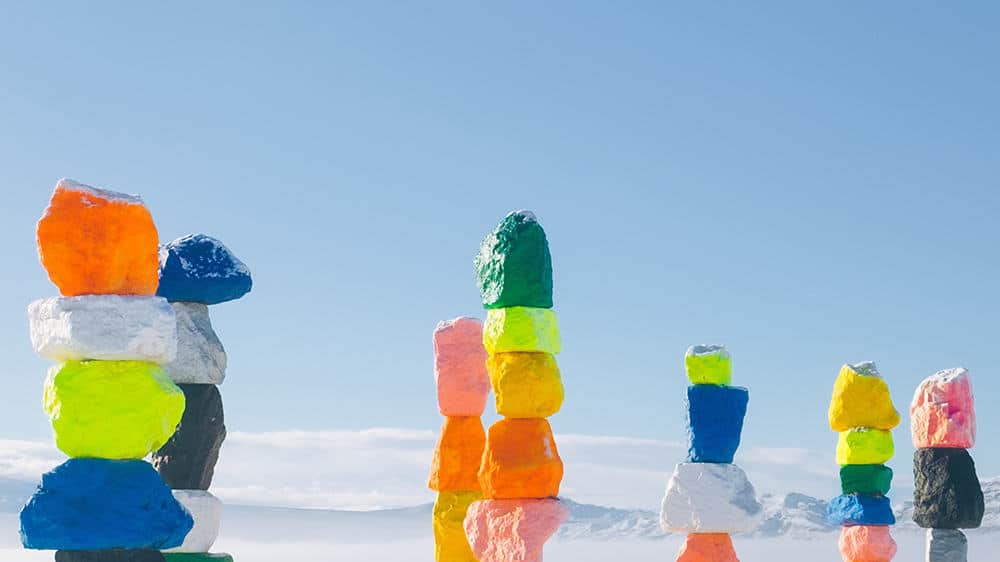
(947, 495)
(108, 399)
(862, 413)
(462, 388)
(521, 470)
(196, 272)
(708, 497)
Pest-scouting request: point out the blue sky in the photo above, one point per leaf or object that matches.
(808, 184)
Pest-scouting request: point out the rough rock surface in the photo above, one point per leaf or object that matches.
(105, 327)
(199, 268)
(526, 385)
(201, 359)
(709, 498)
(520, 461)
(514, 267)
(116, 555)
(865, 543)
(708, 364)
(196, 557)
(97, 242)
(861, 399)
(521, 328)
(871, 479)
(864, 446)
(707, 547)
(457, 455)
(111, 409)
(206, 510)
(187, 461)
(460, 367)
(450, 543)
(943, 412)
(946, 545)
(98, 504)
(513, 530)
(860, 509)
(946, 491)
(715, 422)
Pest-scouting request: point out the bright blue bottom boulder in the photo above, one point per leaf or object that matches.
(715, 422)
(100, 504)
(860, 509)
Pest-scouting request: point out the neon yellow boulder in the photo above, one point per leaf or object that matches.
(111, 409)
(861, 399)
(864, 446)
(521, 328)
(450, 544)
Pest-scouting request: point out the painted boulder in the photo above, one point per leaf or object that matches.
(526, 385)
(201, 358)
(861, 399)
(871, 479)
(450, 543)
(514, 267)
(199, 268)
(520, 461)
(864, 446)
(460, 367)
(715, 422)
(859, 509)
(206, 511)
(187, 461)
(520, 328)
(708, 364)
(512, 530)
(865, 543)
(709, 498)
(943, 411)
(946, 490)
(456, 457)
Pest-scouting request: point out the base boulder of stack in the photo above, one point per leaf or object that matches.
(947, 493)
(707, 547)
(115, 555)
(512, 530)
(947, 545)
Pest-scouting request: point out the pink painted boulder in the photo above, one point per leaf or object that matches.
(943, 413)
(864, 543)
(512, 530)
(460, 367)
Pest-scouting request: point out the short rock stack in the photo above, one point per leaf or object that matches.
(708, 497)
(521, 470)
(196, 272)
(861, 411)
(947, 495)
(462, 387)
(109, 401)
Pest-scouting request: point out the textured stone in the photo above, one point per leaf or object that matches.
(520, 461)
(201, 359)
(709, 498)
(715, 421)
(860, 509)
(521, 329)
(199, 268)
(943, 412)
(707, 547)
(105, 327)
(97, 242)
(708, 364)
(514, 267)
(206, 510)
(115, 555)
(111, 409)
(187, 461)
(946, 491)
(196, 557)
(98, 504)
(871, 479)
(946, 545)
(512, 530)
(526, 385)
(864, 446)
(865, 543)
(460, 367)
(457, 455)
(861, 399)
(450, 543)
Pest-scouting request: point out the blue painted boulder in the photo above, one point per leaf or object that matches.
(860, 509)
(100, 504)
(199, 268)
(715, 422)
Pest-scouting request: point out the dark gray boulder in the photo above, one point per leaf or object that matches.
(947, 545)
(947, 493)
(187, 461)
(116, 555)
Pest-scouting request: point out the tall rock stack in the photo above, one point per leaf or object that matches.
(862, 413)
(196, 272)
(462, 387)
(108, 398)
(521, 469)
(708, 497)
(947, 495)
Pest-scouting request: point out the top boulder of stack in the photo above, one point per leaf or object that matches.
(861, 399)
(514, 266)
(708, 364)
(201, 269)
(943, 411)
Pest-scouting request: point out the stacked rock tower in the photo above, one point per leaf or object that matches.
(108, 398)
(521, 470)
(947, 495)
(708, 497)
(196, 272)
(861, 412)
(462, 388)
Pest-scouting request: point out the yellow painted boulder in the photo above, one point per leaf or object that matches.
(450, 544)
(708, 364)
(526, 385)
(861, 399)
(521, 328)
(864, 446)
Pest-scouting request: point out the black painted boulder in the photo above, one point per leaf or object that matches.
(187, 461)
(947, 493)
(116, 555)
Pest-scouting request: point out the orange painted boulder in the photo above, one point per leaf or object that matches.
(512, 530)
(97, 242)
(707, 547)
(520, 461)
(864, 543)
(457, 455)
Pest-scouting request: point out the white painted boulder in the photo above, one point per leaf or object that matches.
(206, 510)
(201, 359)
(710, 498)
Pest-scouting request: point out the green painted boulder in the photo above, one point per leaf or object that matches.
(196, 557)
(514, 267)
(871, 479)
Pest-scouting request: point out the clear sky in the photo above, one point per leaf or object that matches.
(808, 184)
